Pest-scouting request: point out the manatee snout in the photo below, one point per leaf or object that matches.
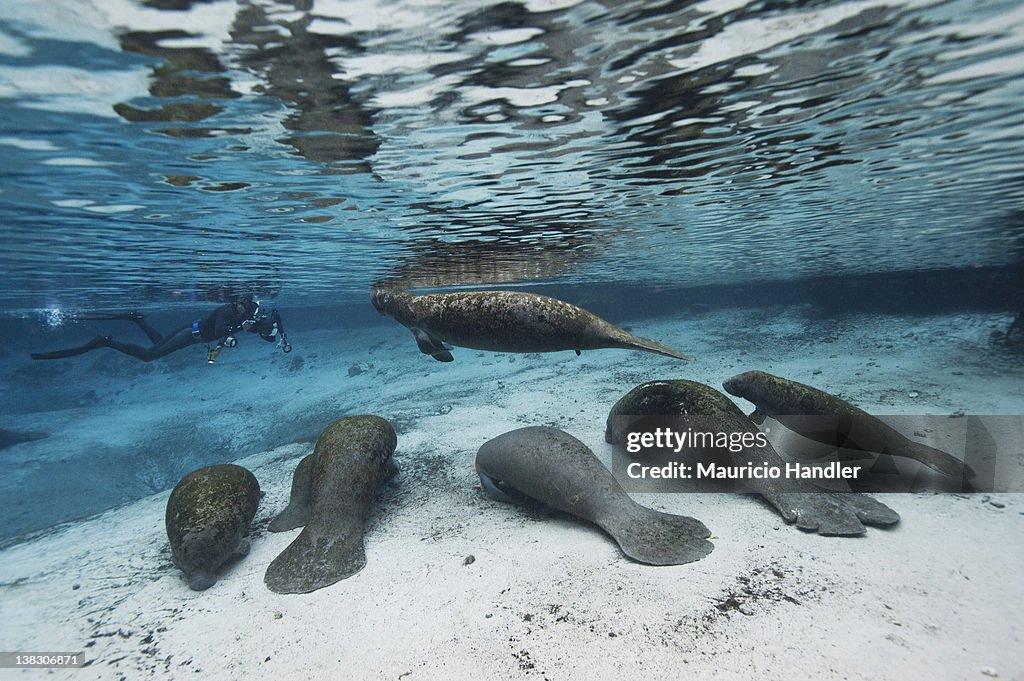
(201, 581)
(381, 298)
(735, 385)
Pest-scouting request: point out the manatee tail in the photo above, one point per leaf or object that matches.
(319, 557)
(831, 514)
(627, 340)
(656, 538)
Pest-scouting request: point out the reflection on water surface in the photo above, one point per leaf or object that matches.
(174, 150)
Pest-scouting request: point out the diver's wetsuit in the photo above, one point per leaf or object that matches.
(220, 324)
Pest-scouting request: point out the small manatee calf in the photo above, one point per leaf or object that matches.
(208, 515)
(553, 467)
(505, 321)
(349, 463)
(786, 401)
(810, 508)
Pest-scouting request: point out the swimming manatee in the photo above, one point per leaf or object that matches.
(350, 462)
(787, 401)
(553, 467)
(809, 507)
(505, 321)
(208, 515)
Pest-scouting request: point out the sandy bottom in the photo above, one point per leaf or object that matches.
(460, 586)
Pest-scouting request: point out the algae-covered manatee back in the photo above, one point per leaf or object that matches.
(208, 514)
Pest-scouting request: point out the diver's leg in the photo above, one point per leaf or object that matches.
(97, 342)
(155, 337)
(176, 340)
(137, 351)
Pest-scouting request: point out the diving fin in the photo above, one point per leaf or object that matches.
(125, 316)
(97, 342)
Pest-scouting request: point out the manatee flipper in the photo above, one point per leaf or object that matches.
(429, 345)
(296, 513)
(493, 489)
(243, 548)
(837, 514)
(554, 468)
(393, 474)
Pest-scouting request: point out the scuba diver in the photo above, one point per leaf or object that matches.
(221, 325)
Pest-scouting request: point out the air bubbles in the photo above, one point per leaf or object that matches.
(54, 318)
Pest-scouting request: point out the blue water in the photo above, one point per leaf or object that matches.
(643, 158)
(304, 150)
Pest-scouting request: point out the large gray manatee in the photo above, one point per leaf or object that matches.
(207, 517)
(787, 402)
(351, 461)
(558, 470)
(505, 321)
(810, 508)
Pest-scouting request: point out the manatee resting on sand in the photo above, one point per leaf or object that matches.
(350, 461)
(786, 401)
(208, 516)
(558, 470)
(505, 321)
(296, 514)
(810, 508)
(663, 398)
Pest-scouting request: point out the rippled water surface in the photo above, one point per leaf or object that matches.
(174, 149)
